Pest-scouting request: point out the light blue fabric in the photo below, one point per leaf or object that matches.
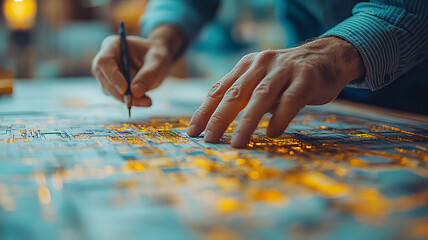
(391, 35)
(188, 15)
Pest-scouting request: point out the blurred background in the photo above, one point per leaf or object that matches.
(59, 38)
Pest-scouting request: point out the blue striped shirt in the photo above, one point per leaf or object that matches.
(390, 35)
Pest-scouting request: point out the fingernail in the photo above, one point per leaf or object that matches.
(239, 141)
(192, 130)
(210, 137)
(145, 102)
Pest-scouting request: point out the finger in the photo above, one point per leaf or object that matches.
(110, 89)
(136, 55)
(153, 70)
(262, 98)
(202, 115)
(273, 107)
(107, 61)
(112, 74)
(234, 100)
(292, 100)
(97, 73)
(144, 101)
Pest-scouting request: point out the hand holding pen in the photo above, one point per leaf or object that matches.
(149, 62)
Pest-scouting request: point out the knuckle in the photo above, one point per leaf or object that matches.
(101, 62)
(264, 56)
(247, 58)
(215, 90)
(159, 55)
(110, 40)
(263, 91)
(243, 64)
(233, 94)
(293, 97)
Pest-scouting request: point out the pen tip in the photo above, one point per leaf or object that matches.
(128, 101)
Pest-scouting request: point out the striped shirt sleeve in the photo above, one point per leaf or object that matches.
(187, 15)
(390, 35)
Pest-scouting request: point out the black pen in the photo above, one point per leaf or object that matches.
(125, 60)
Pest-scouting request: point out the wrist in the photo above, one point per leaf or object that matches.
(342, 56)
(348, 58)
(169, 38)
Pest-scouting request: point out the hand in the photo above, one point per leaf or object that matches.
(150, 60)
(279, 81)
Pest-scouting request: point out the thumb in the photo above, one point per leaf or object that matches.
(154, 69)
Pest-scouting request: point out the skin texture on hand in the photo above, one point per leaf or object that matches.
(150, 60)
(278, 81)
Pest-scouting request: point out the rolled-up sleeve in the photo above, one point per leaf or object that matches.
(391, 37)
(188, 15)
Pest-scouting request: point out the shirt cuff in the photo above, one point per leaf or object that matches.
(377, 45)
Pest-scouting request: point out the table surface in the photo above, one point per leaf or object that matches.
(73, 166)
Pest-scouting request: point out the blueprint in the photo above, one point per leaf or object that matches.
(73, 166)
